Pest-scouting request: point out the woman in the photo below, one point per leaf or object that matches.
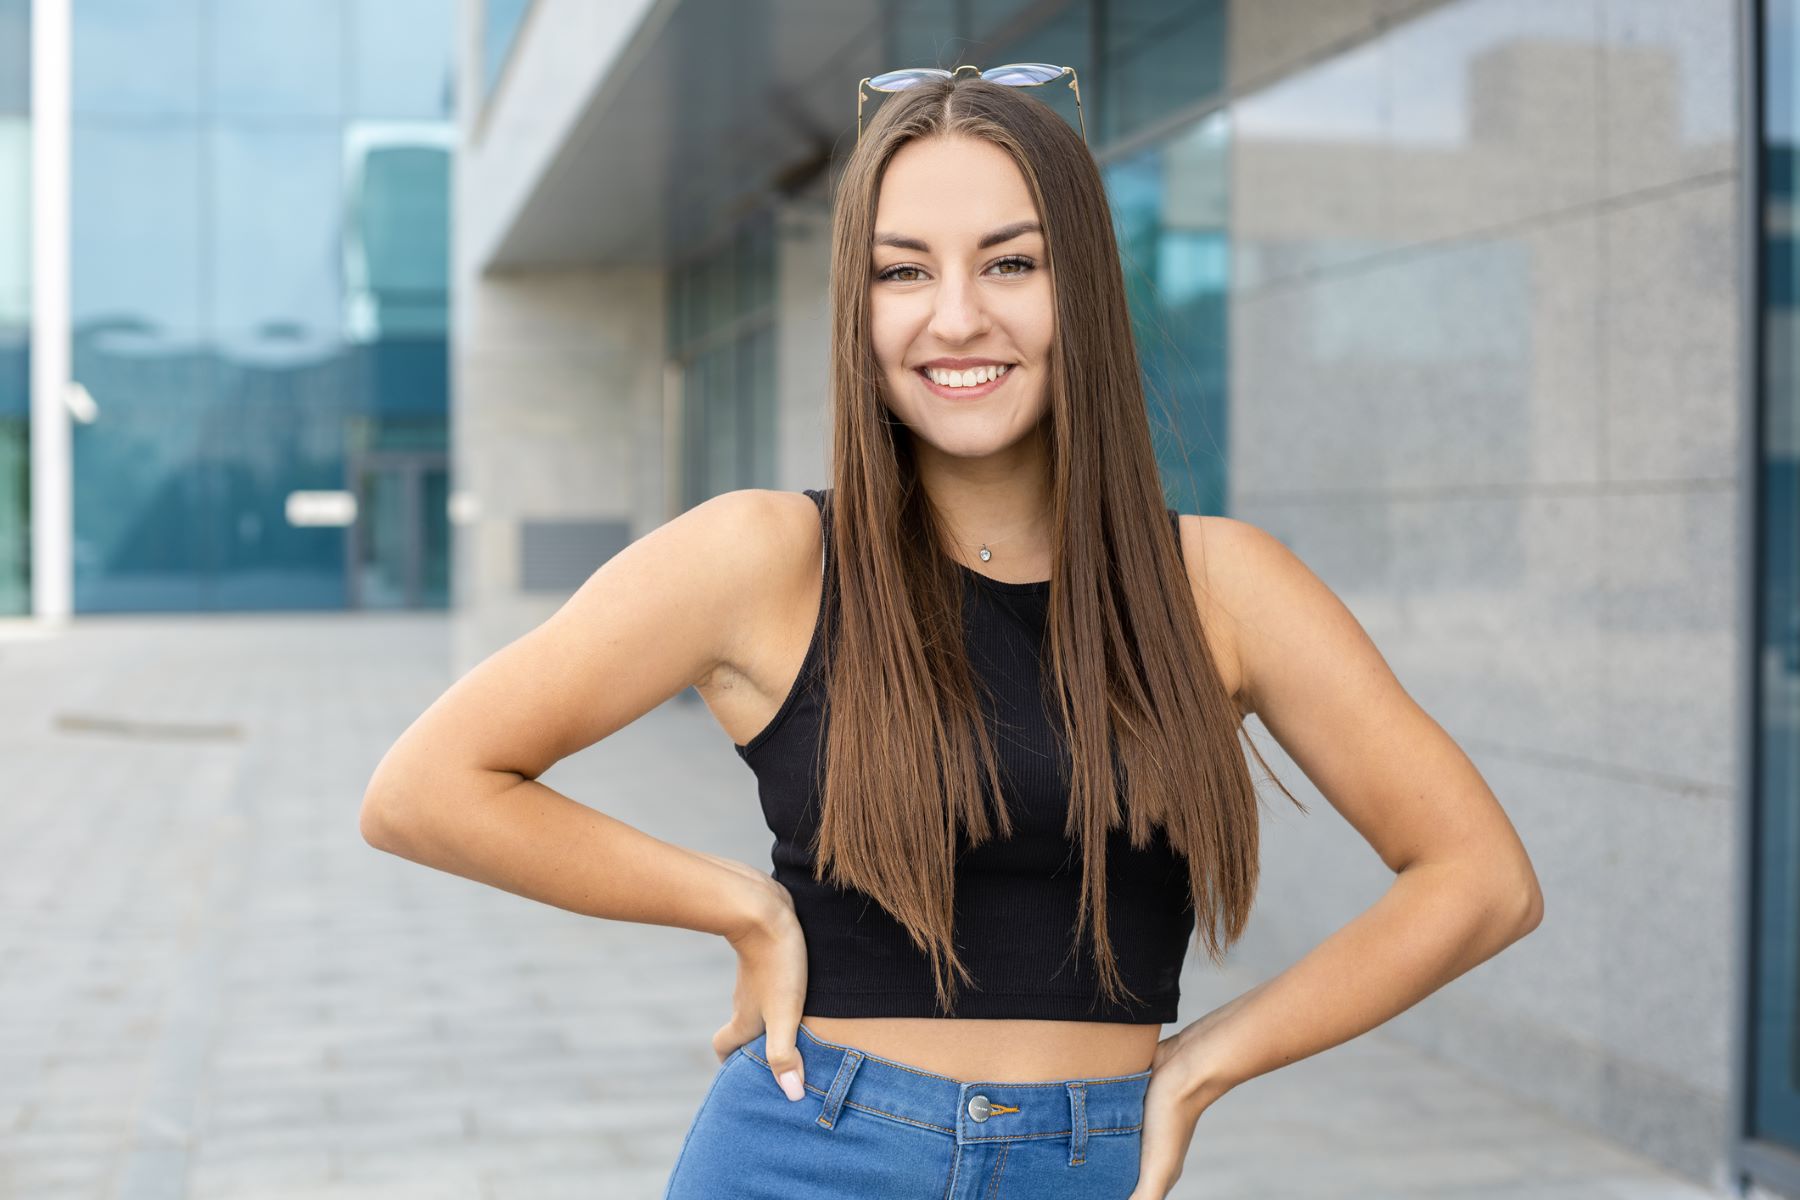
(1030, 787)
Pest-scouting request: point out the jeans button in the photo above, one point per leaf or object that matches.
(979, 1109)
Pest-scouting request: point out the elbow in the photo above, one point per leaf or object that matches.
(382, 820)
(1528, 903)
(1534, 911)
(378, 823)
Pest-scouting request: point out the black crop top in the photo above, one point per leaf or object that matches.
(1016, 899)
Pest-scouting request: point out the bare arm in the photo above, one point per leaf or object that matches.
(1464, 888)
(459, 791)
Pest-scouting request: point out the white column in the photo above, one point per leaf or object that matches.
(52, 524)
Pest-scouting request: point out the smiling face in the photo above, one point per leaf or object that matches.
(961, 273)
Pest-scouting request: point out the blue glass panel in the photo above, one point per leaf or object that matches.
(136, 58)
(281, 422)
(1000, 21)
(1062, 36)
(286, 382)
(136, 213)
(397, 256)
(260, 300)
(15, 56)
(916, 33)
(1170, 217)
(141, 471)
(502, 28)
(1160, 55)
(1774, 1067)
(435, 581)
(277, 58)
(403, 59)
(15, 308)
(276, 249)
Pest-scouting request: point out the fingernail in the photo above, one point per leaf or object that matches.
(790, 1083)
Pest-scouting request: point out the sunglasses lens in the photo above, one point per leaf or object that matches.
(1017, 74)
(899, 81)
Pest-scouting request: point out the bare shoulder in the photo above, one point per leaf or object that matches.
(681, 604)
(1270, 607)
(758, 669)
(1224, 557)
(767, 542)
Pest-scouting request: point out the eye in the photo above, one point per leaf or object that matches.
(1025, 265)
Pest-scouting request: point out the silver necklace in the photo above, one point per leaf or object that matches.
(986, 554)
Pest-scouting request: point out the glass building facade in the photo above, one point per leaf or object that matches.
(259, 303)
(15, 307)
(722, 341)
(500, 22)
(1773, 1112)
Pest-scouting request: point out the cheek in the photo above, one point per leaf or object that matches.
(888, 335)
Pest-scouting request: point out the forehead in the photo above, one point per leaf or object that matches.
(951, 188)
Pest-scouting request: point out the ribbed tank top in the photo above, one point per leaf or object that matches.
(1016, 899)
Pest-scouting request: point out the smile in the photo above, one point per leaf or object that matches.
(969, 392)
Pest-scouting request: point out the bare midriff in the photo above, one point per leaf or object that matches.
(1003, 1051)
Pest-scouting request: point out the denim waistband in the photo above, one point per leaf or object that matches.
(980, 1111)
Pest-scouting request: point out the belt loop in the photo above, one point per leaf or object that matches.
(840, 1084)
(1077, 1124)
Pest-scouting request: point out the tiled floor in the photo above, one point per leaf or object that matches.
(211, 987)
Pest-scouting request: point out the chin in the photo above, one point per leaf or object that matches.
(968, 444)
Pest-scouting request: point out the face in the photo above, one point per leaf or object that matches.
(961, 273)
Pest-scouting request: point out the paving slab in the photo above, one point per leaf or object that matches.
(211, 987)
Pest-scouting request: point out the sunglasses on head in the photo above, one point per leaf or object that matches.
(1012, 75)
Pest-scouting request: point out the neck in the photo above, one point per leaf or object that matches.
(1002, 500)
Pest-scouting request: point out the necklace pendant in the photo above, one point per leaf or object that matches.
(985, 552)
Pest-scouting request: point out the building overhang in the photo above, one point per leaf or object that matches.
(709, 110)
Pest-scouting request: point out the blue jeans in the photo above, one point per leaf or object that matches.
(876, 1129)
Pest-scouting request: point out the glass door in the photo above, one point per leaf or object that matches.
(400, 542)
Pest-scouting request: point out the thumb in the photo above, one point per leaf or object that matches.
(785, 1064)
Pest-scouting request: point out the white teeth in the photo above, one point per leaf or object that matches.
(970, 378)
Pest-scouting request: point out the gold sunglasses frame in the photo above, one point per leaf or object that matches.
(1074, 86)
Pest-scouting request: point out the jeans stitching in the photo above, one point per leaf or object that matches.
(1002, 1137)
(1080, 1130)
(999, 1166)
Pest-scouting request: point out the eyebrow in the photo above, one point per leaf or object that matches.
(1005, 233)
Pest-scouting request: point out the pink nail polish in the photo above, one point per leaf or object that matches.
(790, 1083)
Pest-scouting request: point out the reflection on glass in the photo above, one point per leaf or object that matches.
(137, 58)
(722, 332)
(259, 306)
(1161, 55)
(1774, 1066)
(384, 517)
(15, 307)
(403, 65)
(15, 57)
(1170, 215)
(503, 18)
(1062, 35)
(275, 232)
(146, 468)
(276, 58)
(919, 33)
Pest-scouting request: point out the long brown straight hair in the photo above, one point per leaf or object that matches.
(1144, 710)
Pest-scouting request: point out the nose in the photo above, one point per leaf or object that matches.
(957, 314)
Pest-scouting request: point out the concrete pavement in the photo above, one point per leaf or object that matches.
(211, 987)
